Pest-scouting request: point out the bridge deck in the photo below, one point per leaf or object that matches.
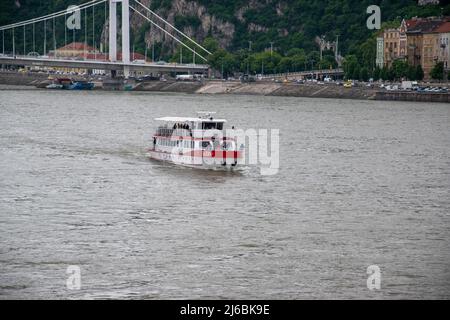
(101, 65)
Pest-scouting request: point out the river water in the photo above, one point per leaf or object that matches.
(360, 183)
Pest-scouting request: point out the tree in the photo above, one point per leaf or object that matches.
(412, 73)
(285, 64)
(299, 61)
(384, 74)
(399, 69)
(377, 74)
(211, 44)
(351, 67)
(328, 62)
(223, 61)
(437, 73)
(419, 73)
(364, 74)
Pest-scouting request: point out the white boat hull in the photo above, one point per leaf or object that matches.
(207, 163)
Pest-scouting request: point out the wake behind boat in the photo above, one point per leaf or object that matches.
(195, 142)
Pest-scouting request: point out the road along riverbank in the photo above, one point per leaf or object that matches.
(311, 90)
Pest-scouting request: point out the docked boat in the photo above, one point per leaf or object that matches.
(81, 85)
(54, 86)
(196, 142)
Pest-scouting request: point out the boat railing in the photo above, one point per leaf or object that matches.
(196, 133)
(168, 132)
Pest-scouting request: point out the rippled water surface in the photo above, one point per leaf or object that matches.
(360, 183)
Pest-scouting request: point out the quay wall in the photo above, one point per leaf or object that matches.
(331, 91)
(21, 79)
(413, 96)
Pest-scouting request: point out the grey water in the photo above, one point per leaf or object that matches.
(360, 183)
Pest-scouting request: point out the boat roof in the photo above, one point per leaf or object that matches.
(186, 119)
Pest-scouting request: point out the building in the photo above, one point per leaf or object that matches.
(380, 53)
(423, 43)
(430, 51)
(419, 41)
(73, 50)
(395, 44)
(82, 51)
(443, 32)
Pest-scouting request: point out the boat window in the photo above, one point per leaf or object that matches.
(212, 125)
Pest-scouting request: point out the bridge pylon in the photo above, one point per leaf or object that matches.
(125, 31)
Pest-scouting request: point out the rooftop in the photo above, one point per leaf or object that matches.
(443, 28)
(80, 46)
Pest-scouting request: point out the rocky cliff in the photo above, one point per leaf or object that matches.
(204, 23)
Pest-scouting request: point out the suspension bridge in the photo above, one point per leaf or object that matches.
(34, 43)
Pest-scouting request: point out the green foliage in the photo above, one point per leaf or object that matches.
(384, 74)
(291, 26)
(223, 61)
(419, 73)
(364, 74)
(351, 67)
(187, 21)
(160, 4)
(377, 74)
(400, 69)
(437, 73)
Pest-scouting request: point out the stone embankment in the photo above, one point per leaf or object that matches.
(288, 90)
(331, 91)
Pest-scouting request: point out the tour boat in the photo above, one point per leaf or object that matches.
(196, 142)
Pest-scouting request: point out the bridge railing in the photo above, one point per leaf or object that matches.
(9, 57)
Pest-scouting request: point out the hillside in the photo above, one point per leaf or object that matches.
(238, 25)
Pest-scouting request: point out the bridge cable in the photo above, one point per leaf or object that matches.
(85, 33)
(51, 15)
(45, 37)
(14, 43)
(173, 27)
(24, 42)
(104, 36)
(3, 41)
(93, 32)
(166, 32)
(73, 38)
(34, 38)
(54, 37)
(65, 31)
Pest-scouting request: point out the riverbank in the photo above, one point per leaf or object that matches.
(289, 90)
(310, 90)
